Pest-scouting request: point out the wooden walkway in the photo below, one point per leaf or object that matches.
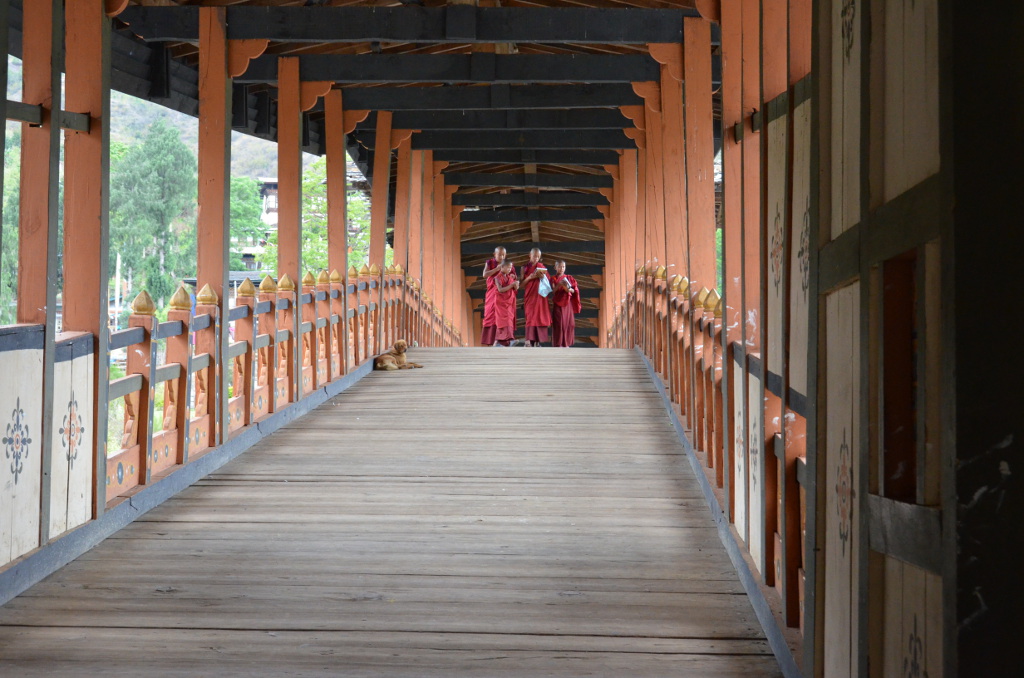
(502, 512)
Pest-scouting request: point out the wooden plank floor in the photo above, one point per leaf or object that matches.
(502, 512)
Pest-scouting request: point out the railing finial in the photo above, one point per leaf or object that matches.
(335, 276)
(143, 304)
(365, 270)
(207, 296)
(308, 280)
(712, 300)
(701, 296)
(246, 289)
(323, 278)
(267, 285)
(660, 273)
(180, 300)
(285, 284)
(375, 270)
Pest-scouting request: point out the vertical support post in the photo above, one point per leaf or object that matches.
(213, 237)
(337, 209)
(87, 207)
(289, 177)
(381, 188)
(700, 151)
(402, 204)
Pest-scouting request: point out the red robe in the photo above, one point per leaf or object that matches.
(563, 315)
(538, 313)
(504, 307)
(488, 334)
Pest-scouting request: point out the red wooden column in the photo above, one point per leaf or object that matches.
(289, 169)
(438, 229)
(654, 187)
(403, 186)
(751, 175)
(337, 182)
(427, 280)
(415, 253)
(628, 175)
(700, 152)
(87, 206)
(381, 188)
(670, 56)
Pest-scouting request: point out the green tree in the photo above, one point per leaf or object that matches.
(9, 226)
(247, 227)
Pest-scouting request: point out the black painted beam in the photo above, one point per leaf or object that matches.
(574, 269)
(508, 180)
(460, 68)
(585, 118)
(553, 214)
(596, 139)
(540, 97)
(539, 157)
(559, 247)
(520, 199)
(455, 23)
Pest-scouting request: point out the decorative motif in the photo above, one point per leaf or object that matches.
(845, 492)
(17, 440)
(804, 254)
(848, 15)
(777, 249)
(755, 449)
(915, 653)
(72, 432)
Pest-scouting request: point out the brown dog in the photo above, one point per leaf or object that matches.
(395, 358)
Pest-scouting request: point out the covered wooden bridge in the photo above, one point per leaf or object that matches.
(796, 233)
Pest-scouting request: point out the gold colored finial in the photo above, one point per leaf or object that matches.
(712, 300)
(180, 300)
(323, 278)
(246, 289)
(390, 270)
(353, 272)
(285, 284)
(683, 285)
(399, 270)
(308, 280)
(660, 273)
(702, 295)
(207, 296)
(335, 276)
(375, 270)
(365, 270)
(143, 304)
(642, 271)
(267, 285)
(718, 309)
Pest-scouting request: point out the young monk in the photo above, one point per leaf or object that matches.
(538, 314)
(491, 269)
(567, 303)
(505, 285)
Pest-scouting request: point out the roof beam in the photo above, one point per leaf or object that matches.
(455, 23)
(539, 97)
(561, 247)
(539, 157)
(521, 199)
(460, 68)
(508, 180)
(571, 269)
(511, 139)
(553, 214)
(584, 118)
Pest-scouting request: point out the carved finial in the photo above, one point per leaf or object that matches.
(246, 289)
(375, 270)
(399, 270)
(180, 300)
(207, 296)
(641, 271)
(701, 296)
(143, 304)
(718, 309)
(660, 273)
(285, 284)
(683, 285)
(712, 300)
(335, 276)
(323, 278)
(267, 285)
(390, 270)
(353, 272)
(365, 270)
(308, 280)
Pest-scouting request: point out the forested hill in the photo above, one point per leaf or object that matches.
(130, 118)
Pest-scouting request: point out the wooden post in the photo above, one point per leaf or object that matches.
(700, 151)
(289, 197)
(86, 208)
(402, 203)
(337, 218)
(381, 188)
(414, 266)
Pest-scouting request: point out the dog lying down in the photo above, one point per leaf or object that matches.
(395, 358)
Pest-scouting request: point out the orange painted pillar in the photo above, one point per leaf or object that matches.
(437, 219)
(700, 152)
(381, 188)
(289, 169)
(799, 39)
(415, 254)
(654, 186)
(427, 286)
(402, 211)
(674, 162)
(337, 182)
(751, 176)
(38, 187)
(628, 175)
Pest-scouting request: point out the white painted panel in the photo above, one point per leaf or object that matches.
(800, 249)
(21, 407)
(81, 464)
(62, 387)
(755, 446)
(778, 240)
(739, 467)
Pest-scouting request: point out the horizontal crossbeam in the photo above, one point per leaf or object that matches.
(604, 139)
(592, 118)
(554, 214)
(544, 198)
(574, 269)
(607, 95)
(561, 247)
(455, 23)
(508, 180)
(460, 68)
(539, 157)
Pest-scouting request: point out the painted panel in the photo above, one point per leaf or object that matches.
(739, 466)
(778, 239)
(911, 94)
(846, 113)
(756, 475)
(912, 619)
(71, 459)
(800, 250)
(842, 449)
(164, 449)
(21, 413)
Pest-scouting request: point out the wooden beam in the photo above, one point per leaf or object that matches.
(560, 247)
(581, 118)
(569, 157)
(529, 180)
(460, 68)
(337, 185)
(455, 23)
(546, 198)
(491, 97)
(540, 215)
(516, 140)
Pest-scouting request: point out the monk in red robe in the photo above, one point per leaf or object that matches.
(538, 313)
(491, 269)
(505, 287)
(566, 304)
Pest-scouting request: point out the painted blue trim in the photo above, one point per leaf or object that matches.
(33, 568)
(776, 639)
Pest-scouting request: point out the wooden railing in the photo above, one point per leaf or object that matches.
(680, 331)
